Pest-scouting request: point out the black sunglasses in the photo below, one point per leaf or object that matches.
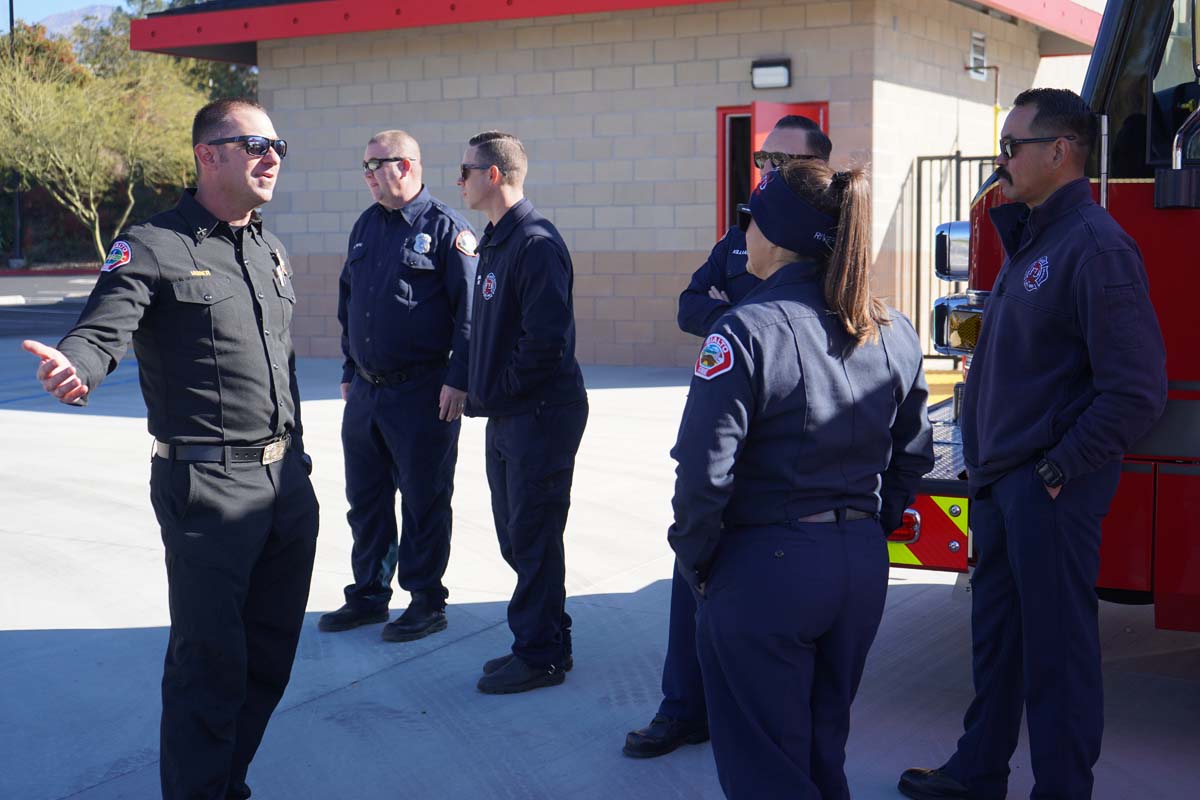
(464, 170)
(1008, 146)
(255, 145)
(372, 164)
(777, 160)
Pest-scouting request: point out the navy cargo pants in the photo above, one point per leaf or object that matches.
(240, 541)
(393, 441)
(530, 466)
(682, 683)
(783, 631)
(1035, 635)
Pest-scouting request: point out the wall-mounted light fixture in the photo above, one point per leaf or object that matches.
(774, 73)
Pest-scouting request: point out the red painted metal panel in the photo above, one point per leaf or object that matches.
(1161, 235)
(293, 20)
(1126, 551)
(1177, 548)
(942, 545)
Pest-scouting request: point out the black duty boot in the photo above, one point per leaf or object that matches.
(422, 617)
(516, 675)
(663, 735)
(349, 616)
(931, 784)
(496, 663)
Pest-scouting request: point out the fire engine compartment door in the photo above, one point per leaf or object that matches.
(1177, 547)
(1128, 531)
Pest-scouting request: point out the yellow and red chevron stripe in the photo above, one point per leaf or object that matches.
(942, 543)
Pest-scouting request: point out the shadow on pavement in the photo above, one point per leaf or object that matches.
(366, 718)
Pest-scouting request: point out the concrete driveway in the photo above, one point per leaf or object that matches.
(83, 621)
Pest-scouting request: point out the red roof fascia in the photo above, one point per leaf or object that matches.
(1064, 17)
(292, 20)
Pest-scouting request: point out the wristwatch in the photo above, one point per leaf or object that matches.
(1050, 473)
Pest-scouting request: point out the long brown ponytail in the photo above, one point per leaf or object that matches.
(845, 196)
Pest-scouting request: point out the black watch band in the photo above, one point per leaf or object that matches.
(1050, 473)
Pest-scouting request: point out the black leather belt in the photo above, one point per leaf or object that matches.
(266, 454)
(846, 514)
(399, 376)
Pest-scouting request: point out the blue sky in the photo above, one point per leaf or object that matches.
(35, 10)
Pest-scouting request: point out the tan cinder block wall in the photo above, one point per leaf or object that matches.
(618, 112)
(924, 103)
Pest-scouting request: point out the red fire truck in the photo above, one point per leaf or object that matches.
(1144, 82)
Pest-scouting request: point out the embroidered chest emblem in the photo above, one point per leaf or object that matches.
(489, 286)
(716, 357)
(422, 243)
(1036, 275)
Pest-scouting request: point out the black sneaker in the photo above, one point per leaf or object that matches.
(418, 621)
(496, 663)
(518, 676)
(663, 735)
(349, 616)
(931, 784)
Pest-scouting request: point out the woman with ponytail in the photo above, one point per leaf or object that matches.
(802, 442)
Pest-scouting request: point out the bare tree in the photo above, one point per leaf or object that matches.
(89, 139)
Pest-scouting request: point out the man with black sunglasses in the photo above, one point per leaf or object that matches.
(1069, 372)
(404, 303)
(524, 378)
(720, 283)
(204, 293)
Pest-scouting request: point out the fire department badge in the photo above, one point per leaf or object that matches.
(489, 286)
(118, 256)
(466, 243)
(1037, 273)
(422, 243)
(716, 357)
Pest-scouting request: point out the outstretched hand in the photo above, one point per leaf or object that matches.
(57, 375)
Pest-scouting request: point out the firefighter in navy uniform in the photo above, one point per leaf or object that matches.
(525, 379)
(802, 442)
(1070, 370)
(404, 304)
(720, 283)
(204, 293)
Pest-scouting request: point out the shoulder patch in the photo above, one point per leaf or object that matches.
(119, 255)
(466, 243)
(716, 357)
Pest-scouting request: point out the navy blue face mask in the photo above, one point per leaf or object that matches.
(788, 221)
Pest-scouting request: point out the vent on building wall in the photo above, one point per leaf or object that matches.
(977, 58)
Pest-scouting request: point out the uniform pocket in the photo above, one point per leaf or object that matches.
(210, 314)
(287, 302)
(1123, 309)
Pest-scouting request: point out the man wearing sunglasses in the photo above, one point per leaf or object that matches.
(1068, 374)
(204, 294)
(524, 378)
(404, 302)
(720, 283)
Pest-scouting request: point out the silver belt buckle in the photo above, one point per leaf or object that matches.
(273, 452)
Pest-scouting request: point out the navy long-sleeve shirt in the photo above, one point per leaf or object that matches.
(1070, 363)
(784, 419)
(724, 269)
(404, 297)
(523, 318)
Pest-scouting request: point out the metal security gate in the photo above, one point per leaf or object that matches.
(944, 188)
